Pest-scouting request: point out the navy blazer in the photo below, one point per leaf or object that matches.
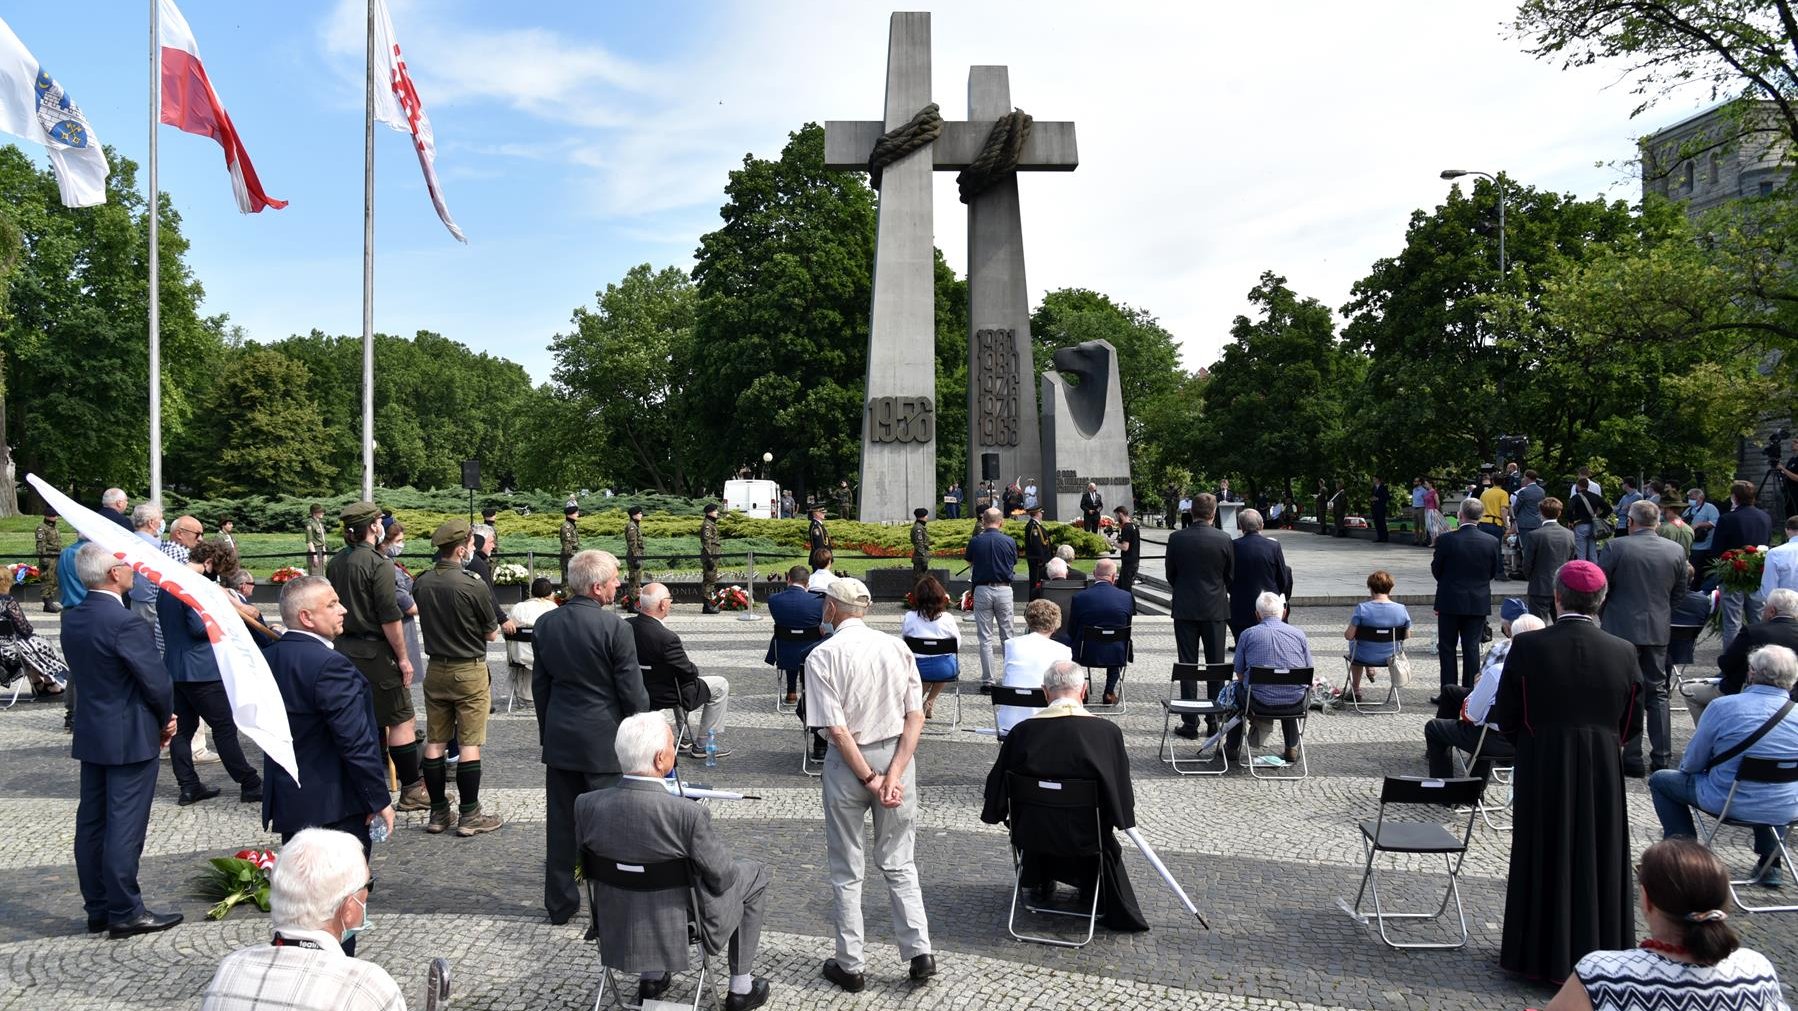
(1260, 566)
(1465, 564)
(336, 743)
(186, 650)
(1742, 527)
(126, 697)
(1100, 605)
(794, 607)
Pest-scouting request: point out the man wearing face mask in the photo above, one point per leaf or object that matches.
(318, 903)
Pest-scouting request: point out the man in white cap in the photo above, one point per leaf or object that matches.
(862, 689)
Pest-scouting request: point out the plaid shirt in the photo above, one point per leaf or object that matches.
(298, 977)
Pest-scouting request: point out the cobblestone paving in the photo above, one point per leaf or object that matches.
(1267, 862)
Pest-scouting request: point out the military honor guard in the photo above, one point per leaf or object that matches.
(571, 536)
(920, 542)
(633, 550)
(1037, 550)
(709, 550)
(317, 548)
(49, 548)
(817, 536)
(457, 617)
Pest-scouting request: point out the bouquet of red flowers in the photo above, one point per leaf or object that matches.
(240, 877)
(23, 573)
(626, 600)
(285, 573)
(730, 598)
(1738, 570)
(967, 600)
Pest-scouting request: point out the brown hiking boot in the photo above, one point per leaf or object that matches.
(441, 821)
(478, 822)
(414, 798)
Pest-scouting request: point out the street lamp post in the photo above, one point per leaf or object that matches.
(1500, 183)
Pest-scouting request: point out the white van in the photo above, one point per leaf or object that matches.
(756, 499)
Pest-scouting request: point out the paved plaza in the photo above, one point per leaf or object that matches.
(1266, 862)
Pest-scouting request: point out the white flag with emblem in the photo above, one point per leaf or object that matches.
(34, 106)
(397, 104)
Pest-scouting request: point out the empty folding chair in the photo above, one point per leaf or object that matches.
(1385, 835)
(1389, 704)
(1059, 819)
(1097, 643)
(653, 898)
(1172, 706)
(1783, 770)
(1277, 677)
(939, 662)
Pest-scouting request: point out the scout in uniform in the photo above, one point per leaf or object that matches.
(709, 550)
(316, 545)
(456, 614)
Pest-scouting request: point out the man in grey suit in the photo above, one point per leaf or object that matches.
(586, 681)
(1545, 550)
(1647, 576)
(640, 822)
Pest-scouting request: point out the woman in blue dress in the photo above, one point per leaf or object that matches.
(1379, 610)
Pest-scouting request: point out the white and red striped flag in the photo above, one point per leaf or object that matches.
(190, 104)
(398, 105)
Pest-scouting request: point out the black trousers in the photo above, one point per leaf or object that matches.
(1090, 520)
(1542, 605)
(561, 896)
(357, 826)
(110, 823)
(1466, 628)
(1188, 637)
(1127, 573)
(1379, 526)
(206, 700)
(1442, 736)
(1039, 571)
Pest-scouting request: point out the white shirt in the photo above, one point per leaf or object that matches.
(944, 627)
(525, 614)
(862, 680)
(820, 580)
(1485, 690)
(1781, 572)
(314, 975)
(1027, 658)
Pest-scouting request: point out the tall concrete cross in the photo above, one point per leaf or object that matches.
(899, 418)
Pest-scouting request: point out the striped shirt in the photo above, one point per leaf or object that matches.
(311, 975)
(1636, 979)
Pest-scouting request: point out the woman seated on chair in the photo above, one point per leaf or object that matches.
(1028, 656)
(930, 618)
(1379, 610)
(22, 651)
(1692, 957)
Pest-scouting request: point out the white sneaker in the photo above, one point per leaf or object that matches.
(204, 757)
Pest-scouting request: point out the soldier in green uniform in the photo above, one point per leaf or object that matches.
(49, 547)
(316, 545)
(817, 536)
(920, 543)
(1037, 550)
(373, 640)
(709, 550)
(633, 550)
(845, 501)
(571, 536)
(456, 614)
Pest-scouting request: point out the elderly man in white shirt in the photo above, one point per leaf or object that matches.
(1781, 571)
(862, 688)
(318, 898)
(1440, 736)
(1028, 656)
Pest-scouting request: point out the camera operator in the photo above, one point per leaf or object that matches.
(1787, 470)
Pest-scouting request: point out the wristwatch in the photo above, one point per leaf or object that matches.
(869, 778)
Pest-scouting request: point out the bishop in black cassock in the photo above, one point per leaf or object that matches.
(1065, 741)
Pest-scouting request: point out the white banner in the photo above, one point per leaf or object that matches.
(256, 703)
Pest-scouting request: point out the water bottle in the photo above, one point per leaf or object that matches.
(377, 831)
(711, 749)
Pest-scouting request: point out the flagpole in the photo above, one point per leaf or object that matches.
(368, 267)
(155, 258)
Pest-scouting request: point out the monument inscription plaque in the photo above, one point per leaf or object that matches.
(998, 386)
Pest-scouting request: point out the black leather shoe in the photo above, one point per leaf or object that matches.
(756, 997)
(196, 795)
(817, 749)
(652, 989)
(560, 918)
(250, 794)
(1190, 733)
(145, 922)
(850, 981)
(922, 968)
(1635, 772)
(96, 926)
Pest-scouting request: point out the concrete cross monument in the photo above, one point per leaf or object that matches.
(900, 152)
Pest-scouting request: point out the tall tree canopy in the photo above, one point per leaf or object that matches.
(262, 433)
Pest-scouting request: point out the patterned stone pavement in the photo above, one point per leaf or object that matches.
(1267, 862)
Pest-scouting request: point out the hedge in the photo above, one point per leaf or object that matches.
(283, 513)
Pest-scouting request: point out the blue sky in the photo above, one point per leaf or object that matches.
(578, 139)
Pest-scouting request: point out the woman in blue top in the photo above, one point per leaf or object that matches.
(1377, 611)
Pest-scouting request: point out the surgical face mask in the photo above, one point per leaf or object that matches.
(395, 549)
(350, 932)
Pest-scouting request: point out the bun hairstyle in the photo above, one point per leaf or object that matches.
(1690, 885)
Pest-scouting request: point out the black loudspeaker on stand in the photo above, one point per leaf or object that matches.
(989, 466)
(471, 480)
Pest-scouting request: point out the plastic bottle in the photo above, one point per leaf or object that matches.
(711, 749)
(377, 831)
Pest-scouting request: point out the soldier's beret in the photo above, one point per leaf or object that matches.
(359, 512)
(451, 532)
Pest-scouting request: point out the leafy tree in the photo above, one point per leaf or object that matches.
(262, 433)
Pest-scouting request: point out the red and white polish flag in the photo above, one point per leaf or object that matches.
(397, 104)
(190, 104)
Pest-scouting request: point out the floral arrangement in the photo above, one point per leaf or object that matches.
(510, 574)
(285, 573)
(23, 573)
(1739, 569)
(967, 600)
(730, 598)
(626, 600)
(240, 877)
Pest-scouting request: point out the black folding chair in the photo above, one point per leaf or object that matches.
(1099, 635)
(1418, 837)
(1023, 698)
(1782, 771)
(1683, 634)
(1060, 819)
(1503, 770)
(1390, 704)
(522, 634)
(791, 635)
(1172, 706)
(668, 876)
(940, 646)
(1270, 677)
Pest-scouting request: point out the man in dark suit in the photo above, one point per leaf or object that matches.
(1102, 605)
(1545, 550)
(670, 678)
(585, 681)
(1778, 627)
(798, 608)
(641, 822)
(127, 714)
(1747, 525)
(1091, 504)
(1201, 564)
(1647, 577)
(1382, 501)
(114, 505)
(1258, 565)
(1465, 563)
(336, 741)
